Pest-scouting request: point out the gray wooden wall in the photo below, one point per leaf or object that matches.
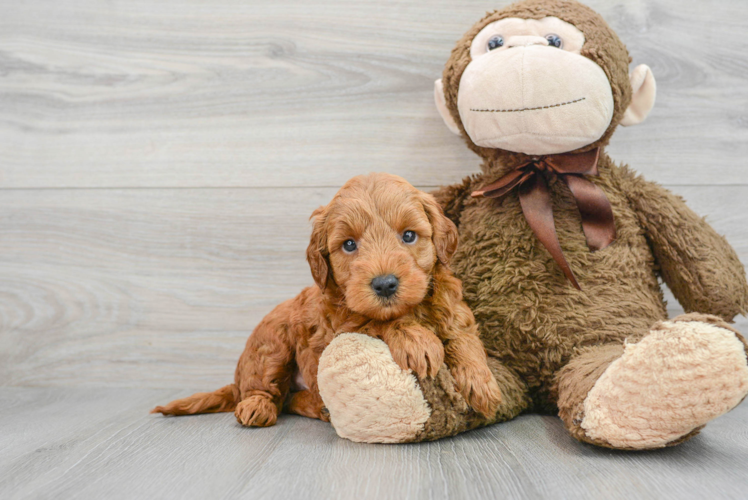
(159, 160)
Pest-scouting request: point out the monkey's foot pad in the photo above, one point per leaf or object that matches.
(370, 398)
(675, 380)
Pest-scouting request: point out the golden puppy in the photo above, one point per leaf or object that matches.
(379, 255)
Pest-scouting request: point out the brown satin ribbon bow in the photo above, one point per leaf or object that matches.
(594, 207)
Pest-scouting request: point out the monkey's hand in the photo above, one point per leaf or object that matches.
(416, 348)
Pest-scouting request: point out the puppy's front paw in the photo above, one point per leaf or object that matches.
(417, 349)
(479, 388)
(256, 411)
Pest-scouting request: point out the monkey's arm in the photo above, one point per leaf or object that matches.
(700, 267)
(452, 198)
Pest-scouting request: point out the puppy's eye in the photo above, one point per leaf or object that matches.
(349, 246)
(495, 42)
(409, 237)
(554, 41)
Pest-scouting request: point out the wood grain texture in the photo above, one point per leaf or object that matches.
(181, 93)
(101, 443)
(158, 162)
(161, 287)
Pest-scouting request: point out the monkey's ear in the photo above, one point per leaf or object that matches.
(441, 106)
(316, 252)
(643, 98)
(445, 234)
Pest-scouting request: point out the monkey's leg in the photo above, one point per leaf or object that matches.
(657, 392)
(371, 399)
(451, 414)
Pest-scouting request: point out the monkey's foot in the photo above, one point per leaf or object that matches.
(369, 397)
(665, 388)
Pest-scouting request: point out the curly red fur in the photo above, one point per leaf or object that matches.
(425, 323)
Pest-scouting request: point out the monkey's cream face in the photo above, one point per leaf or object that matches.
(529, 90)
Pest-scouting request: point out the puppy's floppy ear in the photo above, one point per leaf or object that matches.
(445, 232)
(316, 252)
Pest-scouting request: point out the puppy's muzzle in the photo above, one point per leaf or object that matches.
(385, 286)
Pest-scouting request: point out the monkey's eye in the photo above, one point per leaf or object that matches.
(554, 40)
(349, 246)
(409, 237)
(495, 42)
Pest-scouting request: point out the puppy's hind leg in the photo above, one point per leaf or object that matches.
(263, 374)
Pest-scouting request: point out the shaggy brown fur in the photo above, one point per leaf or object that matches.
(424, 323)
(548, 342)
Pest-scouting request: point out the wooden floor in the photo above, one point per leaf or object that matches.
(158, 165)
(99, 443)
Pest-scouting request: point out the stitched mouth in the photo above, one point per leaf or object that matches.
(519, 110)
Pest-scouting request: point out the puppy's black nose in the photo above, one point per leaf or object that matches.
(385, 286)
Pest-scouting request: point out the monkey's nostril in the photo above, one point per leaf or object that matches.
(385, 286)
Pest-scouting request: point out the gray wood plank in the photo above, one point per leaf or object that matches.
(298, 93)
(101, 443)
(161, 287)
(114, 281)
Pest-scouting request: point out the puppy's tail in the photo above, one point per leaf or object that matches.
(224, 399)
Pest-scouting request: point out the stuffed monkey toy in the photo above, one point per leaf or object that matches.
(561, 252)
